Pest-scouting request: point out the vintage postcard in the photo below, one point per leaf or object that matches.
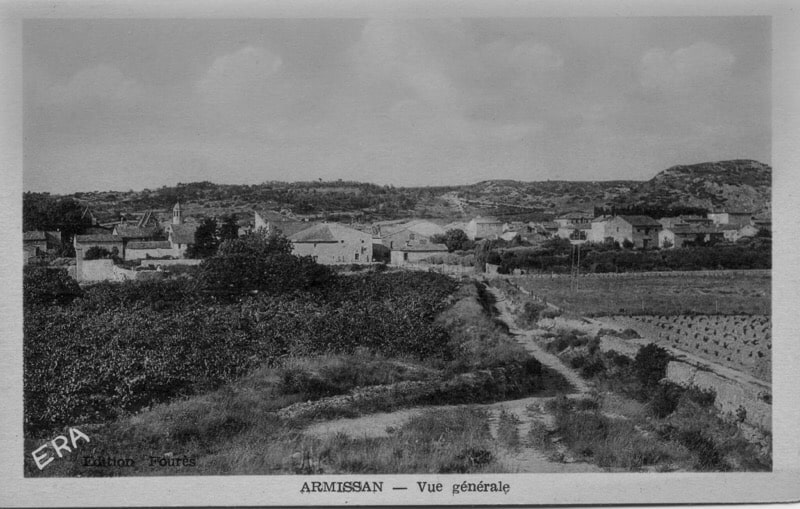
(405, 253)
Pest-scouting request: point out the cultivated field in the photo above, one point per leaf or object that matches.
(741, 342)
(657, 295)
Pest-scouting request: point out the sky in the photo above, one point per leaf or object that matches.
(134, 103)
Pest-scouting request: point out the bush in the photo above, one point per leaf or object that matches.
(96, 253)
(650, 364)
(44, 286)
(665, 400)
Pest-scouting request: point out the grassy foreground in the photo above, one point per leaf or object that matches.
(256, 424)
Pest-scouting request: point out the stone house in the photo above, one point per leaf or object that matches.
(37, 243)
(682, 235)
(180, 237)
(597, 229)
(416, 252)
(105, 241)
(395, 235)
(642, 231)
(573, 218)
(139, 250)
(333, 243)
(271, 221)
(575, 233)
(484, 228)
(736, 217)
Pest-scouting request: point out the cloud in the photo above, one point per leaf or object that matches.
(102, 85)
(239, 77)
(701, 67)
(527, 58)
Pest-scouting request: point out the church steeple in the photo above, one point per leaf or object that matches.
(177, 214)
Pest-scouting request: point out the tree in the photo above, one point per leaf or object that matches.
(260, 263)
(229, 229)
(455, 240)
(96, 253)
(650, 364)
(45, 286)
(205, 240)
(258, 244)
(42, 212)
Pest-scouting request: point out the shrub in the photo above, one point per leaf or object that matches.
(665, 400)
(43, 286)
(650, 364)
(709, 457)
(531, 312)
(96, 253)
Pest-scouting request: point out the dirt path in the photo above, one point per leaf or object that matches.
(526, 458)
(525, 338)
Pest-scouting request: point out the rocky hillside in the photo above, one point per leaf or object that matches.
(738, 184)
(732, 185)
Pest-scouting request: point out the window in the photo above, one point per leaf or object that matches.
(405, 257)
(356, 256)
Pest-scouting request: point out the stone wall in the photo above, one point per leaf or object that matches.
(87, 271)
(745, 402)
(169, 263)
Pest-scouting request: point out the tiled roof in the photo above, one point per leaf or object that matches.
(130, 231)
(96, 230)
(582, 226)
(640, 220)
(576, 215)
(289, 228)
(455, 226)
(34, 235)
(325, 232)
(319, 233)
(421, 227)
(486, 220)
(98, 238)
(182, 233)
(153, 244)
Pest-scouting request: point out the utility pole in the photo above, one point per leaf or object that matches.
(575, 267)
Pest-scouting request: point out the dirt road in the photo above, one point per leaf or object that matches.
(526, 458)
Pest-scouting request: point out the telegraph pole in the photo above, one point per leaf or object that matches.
(575, 267)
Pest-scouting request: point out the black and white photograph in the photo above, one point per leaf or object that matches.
(430, 255)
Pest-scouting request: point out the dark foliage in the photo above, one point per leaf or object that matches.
(650, 364)
(228, 230)
(40, 211)
(601, 258)
(44, 286)
(455, 240)
(205, 240)
(97, 253)
(125, 346)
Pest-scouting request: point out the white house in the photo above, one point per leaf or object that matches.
(333, 243)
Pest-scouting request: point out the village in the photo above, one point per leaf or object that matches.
(142, 245)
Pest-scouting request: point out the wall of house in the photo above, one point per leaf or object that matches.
(597, 233)
(332, 253)
(483, 230)
(398, 257)
(138, 254)
(619, 230)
